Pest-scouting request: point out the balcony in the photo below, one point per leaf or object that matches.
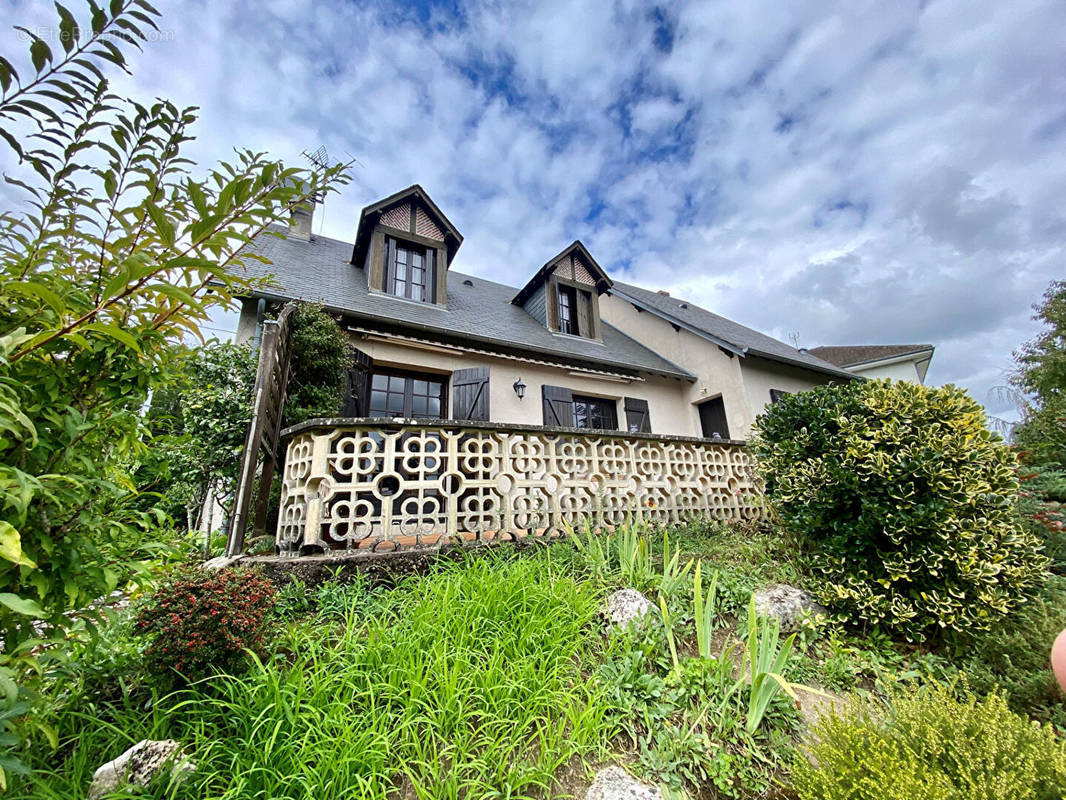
(388, 485)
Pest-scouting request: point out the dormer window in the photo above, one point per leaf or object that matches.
(564, 294)
(404, 245)
(409, 270)
(568, 310)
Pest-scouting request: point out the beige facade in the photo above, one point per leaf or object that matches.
(743, 383)
(570, 335)
(669, 409)
(900, 370)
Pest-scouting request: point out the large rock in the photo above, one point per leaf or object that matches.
(789, 605)
(626, 606)
(138, 765)
(221, 562)
(614, 783)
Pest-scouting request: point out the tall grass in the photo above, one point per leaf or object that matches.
(468, 683)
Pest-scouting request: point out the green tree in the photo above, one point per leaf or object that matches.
(209, 416)
(115, 258)
(320, 357)
(1042, 377)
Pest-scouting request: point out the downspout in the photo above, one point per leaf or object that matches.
(260, 314)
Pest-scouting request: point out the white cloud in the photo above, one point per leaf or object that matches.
(872, 172)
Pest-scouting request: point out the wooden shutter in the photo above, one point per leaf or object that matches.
(558, 407)
(356, 400)
(390, 265)
(637, 418)
(551, 290)
(431, 274)
(712, 418)
(470, 394)
(584, 314)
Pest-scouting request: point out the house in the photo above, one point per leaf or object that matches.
(480, 411)
(898, 362)
(571, 348)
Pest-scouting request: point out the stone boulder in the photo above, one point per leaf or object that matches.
(789, 605)
(625, 607)
(139, 765)
(614, 783)
(221, 562)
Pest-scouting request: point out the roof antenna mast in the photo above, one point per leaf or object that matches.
(319, 160)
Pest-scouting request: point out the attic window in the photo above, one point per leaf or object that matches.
(468, 282)
(409, 270)
(568, 310)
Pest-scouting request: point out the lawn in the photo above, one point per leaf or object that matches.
(492, 676)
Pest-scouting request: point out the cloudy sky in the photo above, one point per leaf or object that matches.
(850, 172)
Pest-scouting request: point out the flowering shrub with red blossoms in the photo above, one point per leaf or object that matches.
(205, 622)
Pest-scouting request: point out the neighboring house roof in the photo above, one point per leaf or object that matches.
(478, 310)
(724, 332)
(854, 355)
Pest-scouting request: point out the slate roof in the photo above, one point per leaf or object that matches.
(730, 335)
(320, 270)
(855, 354)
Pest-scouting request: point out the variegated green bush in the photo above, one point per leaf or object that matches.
(906, 501)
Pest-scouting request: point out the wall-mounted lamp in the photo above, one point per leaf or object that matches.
(519, 388)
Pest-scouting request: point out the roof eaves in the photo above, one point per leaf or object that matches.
(566, 358)
(730, 346)
(827, 369)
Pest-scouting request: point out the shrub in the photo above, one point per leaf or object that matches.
(935, 746)
(905, 500)
(320, 359)
(201, 622)
(1014, 657)
(1042, 505)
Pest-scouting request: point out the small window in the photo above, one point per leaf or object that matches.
(778, 394)
(595, 413)
(399, 394)
(568, 310)
(409, 270)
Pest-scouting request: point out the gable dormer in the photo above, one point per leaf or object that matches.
(564, 295)
(405, 244)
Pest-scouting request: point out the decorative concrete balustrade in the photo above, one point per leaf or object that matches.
(405, 484)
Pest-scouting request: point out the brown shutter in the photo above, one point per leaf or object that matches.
(356, 402)
(552, 290)
(470, 394)
(584, 314)
(558, 407)
(637, 418)
(431, 275)
(390, 265)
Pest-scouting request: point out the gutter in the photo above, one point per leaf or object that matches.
(569, 359)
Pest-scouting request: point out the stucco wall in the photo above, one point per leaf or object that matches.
(717, 373)
(666, 405)
(900, 371)
(761, 375)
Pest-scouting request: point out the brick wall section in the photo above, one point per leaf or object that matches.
(424, 226)
(581, 273)
(398, 217)
(573, 268)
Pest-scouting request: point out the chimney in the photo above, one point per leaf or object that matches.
(664, 293)
(300, 217)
